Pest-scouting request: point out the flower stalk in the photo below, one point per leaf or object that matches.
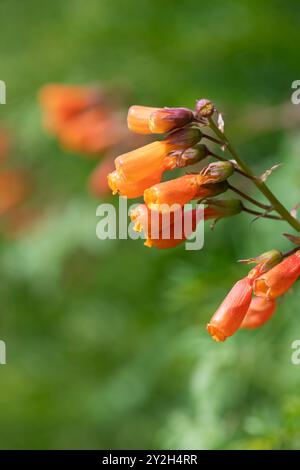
(261, 185)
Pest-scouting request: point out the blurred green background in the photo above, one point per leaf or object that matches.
(106, 341)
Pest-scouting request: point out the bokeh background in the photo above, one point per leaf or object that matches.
(106, 340)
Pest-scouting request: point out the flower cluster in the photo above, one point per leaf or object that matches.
(252, 300)
(139, 172)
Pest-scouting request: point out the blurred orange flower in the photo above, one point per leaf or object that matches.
(259, 312)
(82, 118)
(4, 144)
(14, 188)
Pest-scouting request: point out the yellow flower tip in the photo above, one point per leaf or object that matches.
(261, 288)
(215, 333)
(113, 179)
(134, 216)
(151, 198)
(148, 243)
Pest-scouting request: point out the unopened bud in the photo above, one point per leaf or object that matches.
(204, 108)
(192, 155)
(222, 208)
(213, 189)
(165, 119)
(217, 171)
(184, 138)
(265, 262)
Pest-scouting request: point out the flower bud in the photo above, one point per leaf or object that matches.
(138, 119)
(204, 108)
(264, 262)
(165, 119)
(191, 155)
(279, 279)
(218, 208)
(217, 171)
(183, 138)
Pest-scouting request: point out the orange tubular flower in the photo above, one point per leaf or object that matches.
(147, 120)
(229, 316)
(138, 119)
(181, 191)
(150, 159)
(153, 226)
(119, 185)
(164, 231)
(260, 311)
(279, 279)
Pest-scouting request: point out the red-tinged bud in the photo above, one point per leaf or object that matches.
(180, 191)
(191, 155)
(163, 230)
(166, 119)
(138, 119)
(265, 262)
(279, 279)
(183, 138)
(259, 312)
(219, 208)
(229, 316)
(204, 108)
(216, 172)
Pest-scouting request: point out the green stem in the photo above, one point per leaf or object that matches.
(249, 198)
(261, 214)
(258, 183)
